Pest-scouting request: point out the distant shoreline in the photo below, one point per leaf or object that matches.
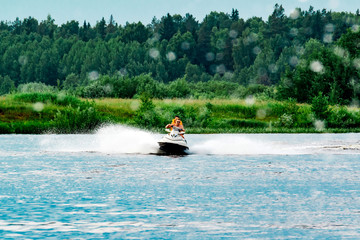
(33, 113)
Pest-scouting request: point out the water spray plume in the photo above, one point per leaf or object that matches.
(122, 139)
(114, 139)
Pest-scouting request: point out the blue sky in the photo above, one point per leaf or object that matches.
(144, 10)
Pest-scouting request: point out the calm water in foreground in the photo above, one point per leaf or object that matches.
(109, 185)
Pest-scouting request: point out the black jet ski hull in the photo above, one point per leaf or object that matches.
(173, 148)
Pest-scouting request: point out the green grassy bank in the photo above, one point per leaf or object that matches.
(35, 113)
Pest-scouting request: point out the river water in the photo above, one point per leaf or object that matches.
(111, 185)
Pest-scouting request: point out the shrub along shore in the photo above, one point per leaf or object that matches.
(38, 113)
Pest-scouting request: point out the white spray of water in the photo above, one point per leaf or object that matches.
(118, 139)
(122, 139)
(114, 139)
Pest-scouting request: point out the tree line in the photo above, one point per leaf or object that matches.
(296, 56)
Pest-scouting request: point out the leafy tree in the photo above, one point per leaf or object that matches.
(179, 88)
(146, 115)
(6, 85)
(320, 71)
(181, 45)
(86, 32)
(264, 68)
(189, 24)
(135, 32)
(17, 27)
(234, 15)
(204, 46)
(308, 52)
(10, 63)
(112, 26)
(351, 42)
(148, 86)
(47, 27)
(68, 29)
(320, 106)
(193, 73)
(167, 27)
(277, 21)
(30, 25)
(71, 82)
(100, 28)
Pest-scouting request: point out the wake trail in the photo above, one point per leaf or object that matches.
(119, 139)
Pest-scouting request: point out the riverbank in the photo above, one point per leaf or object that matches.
(36, 113)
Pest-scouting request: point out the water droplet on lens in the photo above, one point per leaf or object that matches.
(185, 45)
(122, 72)
(23, 60)
(295, 14)
(355, 28)
(93, 75)
(38, 107)
(256, 50)
(329, 28)
(221, 69)
(328, 38)
(261, 114)
(250, 100)
(171, 56)
(293, 61)
(356, 63)
(210, 56)
(233, 34)
(294, 32)
(317, 66)
(154, 53)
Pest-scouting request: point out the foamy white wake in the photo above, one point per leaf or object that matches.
(240, 145)
(119, 139)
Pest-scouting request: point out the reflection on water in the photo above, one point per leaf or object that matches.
(87, 186)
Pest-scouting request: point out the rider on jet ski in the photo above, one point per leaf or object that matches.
(172, 143)
(175, 119)
(177, 126)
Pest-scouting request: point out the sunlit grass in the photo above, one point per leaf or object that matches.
(20, 115)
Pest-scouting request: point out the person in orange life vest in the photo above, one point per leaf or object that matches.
(177, 127)
(175, 119)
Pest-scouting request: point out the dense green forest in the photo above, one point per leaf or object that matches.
(301, 56)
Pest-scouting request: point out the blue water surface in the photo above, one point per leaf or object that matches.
(47, 191)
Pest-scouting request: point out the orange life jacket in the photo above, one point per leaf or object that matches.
(173, 122)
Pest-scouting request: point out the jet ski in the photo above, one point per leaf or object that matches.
(173, 143)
